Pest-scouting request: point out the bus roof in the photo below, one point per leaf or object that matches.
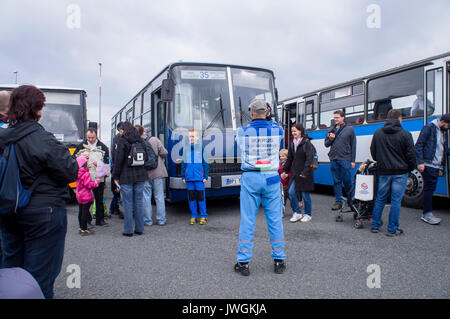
(372, 76)
(42, 87)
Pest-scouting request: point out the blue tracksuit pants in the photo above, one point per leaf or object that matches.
(256, 190)
(196, 194)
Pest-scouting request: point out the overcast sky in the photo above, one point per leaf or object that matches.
(308, 44)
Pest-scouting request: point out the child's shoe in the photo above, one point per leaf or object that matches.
(203, 221)
(85, 232)
(193, 221)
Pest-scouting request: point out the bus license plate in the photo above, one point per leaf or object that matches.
(231, 181)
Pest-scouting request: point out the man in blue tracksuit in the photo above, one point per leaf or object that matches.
(260, 184)
(194, 171)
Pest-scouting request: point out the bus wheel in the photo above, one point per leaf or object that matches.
(414, 190)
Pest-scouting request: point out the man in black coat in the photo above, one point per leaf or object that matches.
(93, 141)
(393, 149)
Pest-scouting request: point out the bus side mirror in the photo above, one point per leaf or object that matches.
(167, 90)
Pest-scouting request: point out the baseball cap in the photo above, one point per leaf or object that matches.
(446, 118)
(258, 105)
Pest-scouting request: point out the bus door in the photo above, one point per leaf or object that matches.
(290, 118)
(435, 100)
(447, 111)
(159, 125)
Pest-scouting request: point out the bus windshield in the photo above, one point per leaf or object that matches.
(249, 85)
(201, 94)
(63, 116)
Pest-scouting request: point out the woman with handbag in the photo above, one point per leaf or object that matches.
(301, 182)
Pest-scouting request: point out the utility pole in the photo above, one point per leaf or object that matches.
(15, 72)
(100, 104)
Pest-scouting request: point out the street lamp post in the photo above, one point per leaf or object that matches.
(15, 72)
(100, 104)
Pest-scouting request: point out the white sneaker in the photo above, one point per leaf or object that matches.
(306, 218)
(296, 217)
(431, 219)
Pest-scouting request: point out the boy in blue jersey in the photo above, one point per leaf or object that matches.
(194, 171)
(260, 143)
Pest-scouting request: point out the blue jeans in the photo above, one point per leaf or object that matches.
(342, 174)
(132, 196)
(256, 191)
(306, 197)
(396, 184)
(156, 187)
(34, 239)
(114, 206)
(430, 177)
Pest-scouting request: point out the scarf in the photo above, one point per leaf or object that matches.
(297, 143)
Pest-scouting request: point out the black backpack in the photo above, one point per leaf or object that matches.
(137, 154)
(152, 159)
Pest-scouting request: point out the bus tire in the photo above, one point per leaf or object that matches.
(414, 190)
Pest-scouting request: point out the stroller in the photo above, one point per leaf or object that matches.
(361, 209)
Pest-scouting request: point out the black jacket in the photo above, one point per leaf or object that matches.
(393, 149)
(102, 146)
(299, 163)
(122, 172)
(40, 155)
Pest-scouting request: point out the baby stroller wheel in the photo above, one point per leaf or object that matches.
(339, 219)
(359, 224)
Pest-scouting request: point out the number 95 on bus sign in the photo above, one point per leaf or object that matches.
(203, 75)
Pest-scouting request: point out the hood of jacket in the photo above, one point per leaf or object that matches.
(392, 127)
(81, 160)
(17, 131)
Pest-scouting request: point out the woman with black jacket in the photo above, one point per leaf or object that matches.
(301, 181)
(131, 180)
(34, 237)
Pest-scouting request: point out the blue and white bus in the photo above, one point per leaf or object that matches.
(211, 98)
(366, 101)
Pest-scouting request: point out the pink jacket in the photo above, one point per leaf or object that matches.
(84, 183)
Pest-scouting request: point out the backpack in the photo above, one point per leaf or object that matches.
(12, 194)
(137, 154)
(152, 161)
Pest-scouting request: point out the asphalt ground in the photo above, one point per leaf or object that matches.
(326, 259)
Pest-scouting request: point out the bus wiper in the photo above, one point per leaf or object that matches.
(217, 115)
(247, 117)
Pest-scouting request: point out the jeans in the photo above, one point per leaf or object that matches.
(157, 187)
(256, 191)
(342, 174)
(114, 206)
(430, 176)
(293, 198)
(33, 239)
(396, 184)
(132, 196)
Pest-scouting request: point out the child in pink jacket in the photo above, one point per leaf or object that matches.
(84, 194)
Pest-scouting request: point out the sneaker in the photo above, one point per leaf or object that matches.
(279, 266)
(429, 218)
(203, 221)
(306, 218)
(296, 217)
(336, 206)
(193, 221)
(85, 232)
(374, 230)
(398, 232)
(242, 268)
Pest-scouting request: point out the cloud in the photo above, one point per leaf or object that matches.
(308, 44)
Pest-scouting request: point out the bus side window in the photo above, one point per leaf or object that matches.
(398, 91)
(434, 95)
